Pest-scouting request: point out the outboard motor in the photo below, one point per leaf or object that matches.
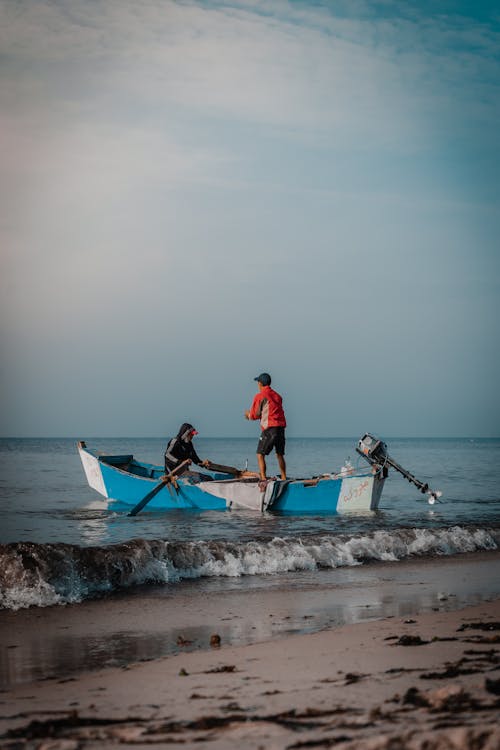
(375, 452)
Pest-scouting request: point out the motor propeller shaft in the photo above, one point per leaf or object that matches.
(375, 452)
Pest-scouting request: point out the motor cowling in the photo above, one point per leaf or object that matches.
(373, 449)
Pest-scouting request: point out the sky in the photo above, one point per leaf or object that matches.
(194, 192)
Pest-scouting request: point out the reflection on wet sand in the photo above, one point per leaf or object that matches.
(150, 622)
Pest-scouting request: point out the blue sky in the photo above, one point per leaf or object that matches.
(194, 192)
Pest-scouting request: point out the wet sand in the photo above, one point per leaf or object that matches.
(424, 676)
(428, 683)
(148, 623)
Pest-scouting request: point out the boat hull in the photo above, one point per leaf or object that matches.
(122, 479)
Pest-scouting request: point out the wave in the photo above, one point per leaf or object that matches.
(45, 574)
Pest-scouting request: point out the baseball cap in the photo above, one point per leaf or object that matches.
(263, 378)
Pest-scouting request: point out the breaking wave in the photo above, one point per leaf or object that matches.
(46, 574)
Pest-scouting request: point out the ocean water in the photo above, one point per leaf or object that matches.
(61, 543)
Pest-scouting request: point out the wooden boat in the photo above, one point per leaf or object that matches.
(124, 479)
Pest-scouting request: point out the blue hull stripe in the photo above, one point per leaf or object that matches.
(110, 476)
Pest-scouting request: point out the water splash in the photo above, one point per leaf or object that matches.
(45, 574)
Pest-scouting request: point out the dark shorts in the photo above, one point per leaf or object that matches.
(273, 437)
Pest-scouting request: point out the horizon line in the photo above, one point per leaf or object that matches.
(247, 437)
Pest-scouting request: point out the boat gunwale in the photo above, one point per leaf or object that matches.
(312, 480)
(305, 481)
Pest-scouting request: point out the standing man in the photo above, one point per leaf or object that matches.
(267, 406)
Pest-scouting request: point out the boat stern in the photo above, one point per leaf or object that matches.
(360, 493)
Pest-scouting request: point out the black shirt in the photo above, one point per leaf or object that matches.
(180, 448)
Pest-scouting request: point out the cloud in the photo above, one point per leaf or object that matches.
(275, 175)
(294, 66)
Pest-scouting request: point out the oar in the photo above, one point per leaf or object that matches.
(224, 469)
(145, 500)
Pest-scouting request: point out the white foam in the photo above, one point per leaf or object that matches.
(72, 574)
(22, 597)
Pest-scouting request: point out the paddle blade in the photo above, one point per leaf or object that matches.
(145, 500)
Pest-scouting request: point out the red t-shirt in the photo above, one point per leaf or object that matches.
(267, 406)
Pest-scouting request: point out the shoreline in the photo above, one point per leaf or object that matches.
(430, 682)
(150, 623)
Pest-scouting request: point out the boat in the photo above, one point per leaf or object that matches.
(125, 480)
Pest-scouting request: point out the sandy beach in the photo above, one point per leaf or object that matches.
(429, 679)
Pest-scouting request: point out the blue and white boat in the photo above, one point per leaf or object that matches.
(125, 480)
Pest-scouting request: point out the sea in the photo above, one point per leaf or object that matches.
(64, 546)
(61, 542)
